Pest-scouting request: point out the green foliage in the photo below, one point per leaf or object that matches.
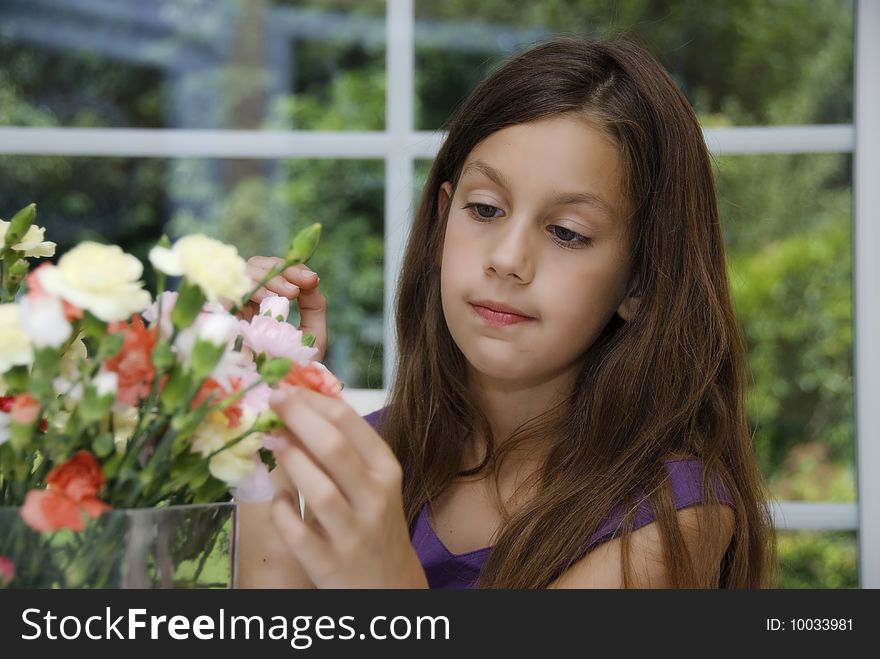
(817, 560)
(793, 298)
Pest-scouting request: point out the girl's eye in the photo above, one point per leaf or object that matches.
(482, 211)
(568, 238)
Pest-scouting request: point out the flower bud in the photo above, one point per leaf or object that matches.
(15, 274)
(303, 245)
(275, 306)
(268, 421)
(20, 223)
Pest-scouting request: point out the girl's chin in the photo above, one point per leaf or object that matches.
(507, 370)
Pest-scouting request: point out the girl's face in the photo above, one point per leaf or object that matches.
(535, 260)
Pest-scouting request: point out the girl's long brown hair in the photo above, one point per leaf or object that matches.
(669, 382)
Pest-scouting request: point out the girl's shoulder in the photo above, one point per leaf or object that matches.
(687, 482)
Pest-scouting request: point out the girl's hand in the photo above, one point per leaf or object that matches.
(295, 283)
(351, 483)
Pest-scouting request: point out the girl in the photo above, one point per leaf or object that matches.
(568, 404)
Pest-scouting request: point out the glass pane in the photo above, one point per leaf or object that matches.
(243, 64)
(817, 559)
(257, 205)
(739, 63)
(787, 223)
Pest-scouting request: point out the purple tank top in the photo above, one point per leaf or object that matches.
(446, 569)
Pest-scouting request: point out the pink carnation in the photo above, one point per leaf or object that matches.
(25, 409)
(276, 339)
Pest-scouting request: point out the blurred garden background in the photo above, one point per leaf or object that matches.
(276, 65)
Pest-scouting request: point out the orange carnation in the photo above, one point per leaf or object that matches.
(133, 364)
(71, 491)
(313, 376)
(211, 386)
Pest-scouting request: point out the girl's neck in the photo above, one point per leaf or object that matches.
(508, 405)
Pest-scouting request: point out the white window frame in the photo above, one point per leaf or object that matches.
(400, 145)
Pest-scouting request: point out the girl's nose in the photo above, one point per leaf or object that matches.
(510, 253)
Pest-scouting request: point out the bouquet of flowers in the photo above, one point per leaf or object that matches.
(112, 400)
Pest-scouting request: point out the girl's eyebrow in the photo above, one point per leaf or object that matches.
(561, 199)
(486, 170)
(586, 198)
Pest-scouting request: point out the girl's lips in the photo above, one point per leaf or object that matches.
(498, 318)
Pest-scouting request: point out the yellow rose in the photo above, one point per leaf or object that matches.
(15, 344)
(101, 279)
(236, 462)
(213, 266)
(32, 244)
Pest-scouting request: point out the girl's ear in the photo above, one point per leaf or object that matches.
(630, 304)
(444, 196)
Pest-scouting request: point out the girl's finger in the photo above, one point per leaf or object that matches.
(313, 317)
(320, 493)
(264, 262)
(280, 286)
(312, 551)
(333, 452)
(377, 456)
(248, 311)
(302, 276)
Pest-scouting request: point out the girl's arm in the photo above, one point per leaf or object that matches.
(602, 566)
(264, 559)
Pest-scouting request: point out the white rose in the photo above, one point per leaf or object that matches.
(32, 243)
(213, 266)
(44, 320)
(101, 279)
(15, 344)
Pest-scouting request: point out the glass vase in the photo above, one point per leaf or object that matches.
(191, 546)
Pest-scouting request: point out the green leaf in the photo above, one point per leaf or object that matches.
(175, 390)
(110, 345)
(162, 357)
(94, 407)
(205, 356)
(16, 379)
(189, 303)
(94, 328)
(103, 445)
(273, 370)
